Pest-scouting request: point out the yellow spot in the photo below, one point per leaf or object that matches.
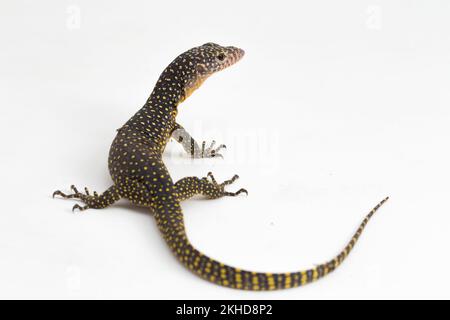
(315, 274)
(304, 277)
(270, 279)
(288, 278)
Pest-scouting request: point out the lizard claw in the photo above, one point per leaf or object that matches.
(63, 195)
(211, 152)
(85, 197)
(233, 194)
(222, 185)
(77, 206)
(58, 193)
(230, 181)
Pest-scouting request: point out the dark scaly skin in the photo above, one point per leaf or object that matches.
(139, 174)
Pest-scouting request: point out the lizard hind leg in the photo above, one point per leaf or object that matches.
(191, 186)
(94, 201)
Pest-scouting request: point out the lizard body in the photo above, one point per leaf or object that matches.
(139, 174)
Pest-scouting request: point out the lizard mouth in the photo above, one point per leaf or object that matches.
(233, 55)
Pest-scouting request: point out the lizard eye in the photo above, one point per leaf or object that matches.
(221, 57)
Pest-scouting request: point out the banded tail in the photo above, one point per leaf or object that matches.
(170, 221)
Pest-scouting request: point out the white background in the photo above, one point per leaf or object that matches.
(336, 105)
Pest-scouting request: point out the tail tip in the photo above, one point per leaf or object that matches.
(383, 201)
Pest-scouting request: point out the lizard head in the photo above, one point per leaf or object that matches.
(197, 64)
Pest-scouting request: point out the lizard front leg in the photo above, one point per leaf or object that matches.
(192, 147)
(94, 201)
(191, 186)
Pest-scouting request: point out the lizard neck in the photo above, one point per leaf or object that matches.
(156, 118)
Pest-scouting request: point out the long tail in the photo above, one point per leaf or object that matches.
(170, 221)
